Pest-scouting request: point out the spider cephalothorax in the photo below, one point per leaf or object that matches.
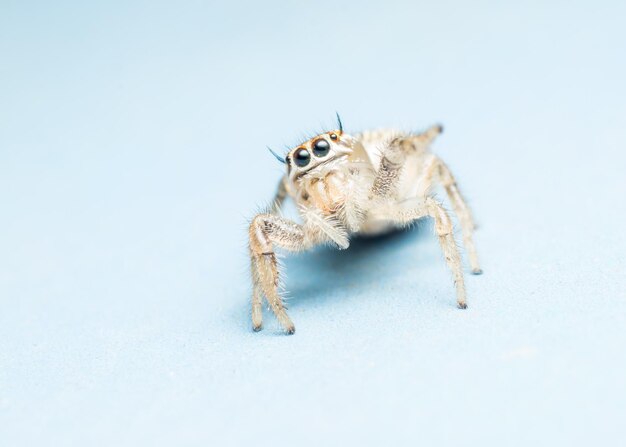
(364, 184)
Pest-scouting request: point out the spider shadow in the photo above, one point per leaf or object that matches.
(325, 273)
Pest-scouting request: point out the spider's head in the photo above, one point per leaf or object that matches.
(319, 154)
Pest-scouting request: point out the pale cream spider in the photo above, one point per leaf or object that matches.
(345, 185)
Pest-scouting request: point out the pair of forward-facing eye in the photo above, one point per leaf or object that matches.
(302, 156)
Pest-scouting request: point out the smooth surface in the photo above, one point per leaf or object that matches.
(132, 152)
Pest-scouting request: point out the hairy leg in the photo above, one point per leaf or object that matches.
(424, 139)
(463, 212)
(257, 302)
(393, 159)
(386, 181)
(434, 171)
(443, 227)
(266, 231)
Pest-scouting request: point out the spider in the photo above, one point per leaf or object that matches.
(344, 185)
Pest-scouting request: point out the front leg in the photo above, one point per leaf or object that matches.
(393, 159)
(386, 181)
(267, 230)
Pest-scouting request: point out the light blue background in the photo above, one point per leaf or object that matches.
(132, 153)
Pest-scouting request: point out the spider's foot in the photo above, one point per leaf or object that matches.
(257, 327)
(462, 305)
(290, 330)
(477, 271)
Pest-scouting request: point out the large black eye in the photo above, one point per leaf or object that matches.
(302, 157)
(321, 148)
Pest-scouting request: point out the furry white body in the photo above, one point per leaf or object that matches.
(368, 184)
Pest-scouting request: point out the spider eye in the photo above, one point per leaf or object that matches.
(333, 136)
(321, 147)
(302, 157)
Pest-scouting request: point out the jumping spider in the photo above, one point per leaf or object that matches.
(365, 184)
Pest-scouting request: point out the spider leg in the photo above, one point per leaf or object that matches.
(429, 207)
(463, 212)
(435, 170)
(266, 231)
(393, 159)
(386, 181)
(424, 139)
(257, 302)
